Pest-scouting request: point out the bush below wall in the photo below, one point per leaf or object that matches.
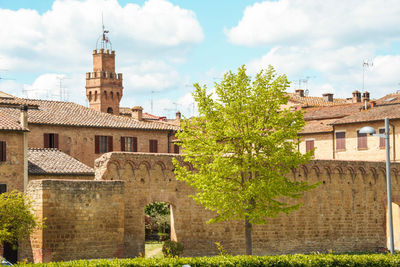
(378, 260)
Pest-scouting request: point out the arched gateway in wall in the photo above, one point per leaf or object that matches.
(105, 218)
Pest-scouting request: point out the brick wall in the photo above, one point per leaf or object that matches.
(84, 219)
(78, 142)
(12, 170)
(347, 212)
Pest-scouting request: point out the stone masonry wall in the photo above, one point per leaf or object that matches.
(347, 212)
(85, 220)
(12, 170)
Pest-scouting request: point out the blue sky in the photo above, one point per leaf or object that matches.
(165, 46)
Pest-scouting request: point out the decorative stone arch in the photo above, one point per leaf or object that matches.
(374, 174)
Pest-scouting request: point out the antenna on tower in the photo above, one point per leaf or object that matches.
(366, 64)
(105, 42)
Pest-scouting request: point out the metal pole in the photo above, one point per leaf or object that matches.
(389, 185)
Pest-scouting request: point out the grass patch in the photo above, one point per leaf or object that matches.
(153, 249)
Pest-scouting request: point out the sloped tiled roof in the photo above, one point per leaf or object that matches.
(315, 101)
(53, 161)
(390, 99)
(72, 114)
(318, 126)
(8, 123)
(5, 95)
(145, 115)
(373, 114)
(332, 111)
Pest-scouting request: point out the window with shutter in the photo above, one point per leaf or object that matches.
(3, 188)
(340, 140)
(153, 146)
(3, 151)
(128, 144)
(382, 142)
(50, 140)
(309, 145)
(176, 149)
(361, 140)
(103, 144)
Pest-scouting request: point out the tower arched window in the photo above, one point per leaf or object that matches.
(105, 94)
(118, 95)
(90, 96)
(112, 95)
(110, 110)
(95, 95)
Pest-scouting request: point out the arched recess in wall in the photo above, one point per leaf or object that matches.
(105, 94)
(90, 96)
(110, 110)
(95, 95)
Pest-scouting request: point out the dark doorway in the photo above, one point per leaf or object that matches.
(9, 253)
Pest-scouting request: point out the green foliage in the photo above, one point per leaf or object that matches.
(172, 249)
(317, 260)
(221, 250)
(157, 208)
(241, 146)
(16, 218)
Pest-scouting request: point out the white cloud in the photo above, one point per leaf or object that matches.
(327, 23)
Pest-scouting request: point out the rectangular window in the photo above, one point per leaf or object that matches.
(153, 146)
(3, 150)
(129, 144)
(103, 144)
(3, 188)
(382, 142)
(176, 149)
(361, 140)
(309, 145)
(50, 140)
(340, 140)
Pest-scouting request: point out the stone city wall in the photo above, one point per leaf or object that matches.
(347, 212)
(84, 220)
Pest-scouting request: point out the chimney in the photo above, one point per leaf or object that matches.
(137, 113)
(300, 92)
(328, 97)
(365, 96)
(373, 103)
(24, 117)
(178, 115)
(356, 97)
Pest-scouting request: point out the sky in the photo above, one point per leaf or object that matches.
(163, 47)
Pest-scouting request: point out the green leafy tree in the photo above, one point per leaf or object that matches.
(242, 146)
(16, 219)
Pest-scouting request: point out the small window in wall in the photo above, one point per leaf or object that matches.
(3, 149)
(361, 140)
(128, 144)
(3, 188)
(50, 140)
(340, 140)
(309, 145)
(382, 142)
(103, 144)
(110, 110)
(176, 149)
(153, 146)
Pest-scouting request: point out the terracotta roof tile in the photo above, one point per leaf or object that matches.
(9, 123)
(146, 116)
(53, 161)
(390, 99)
(318, 126)
(315, 101)
(374, 114)
(71, 114)
(332, 111)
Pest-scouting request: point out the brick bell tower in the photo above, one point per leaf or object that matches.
(103, 85)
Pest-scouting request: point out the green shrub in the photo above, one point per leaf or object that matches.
(172, 248)
(296, 260)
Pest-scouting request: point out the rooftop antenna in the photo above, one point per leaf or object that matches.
(62, 90)
(105, 42)
(151, 101)
(366, 64)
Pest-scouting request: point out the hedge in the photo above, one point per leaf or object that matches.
(378, 260)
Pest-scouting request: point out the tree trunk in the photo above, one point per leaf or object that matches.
(247, 230)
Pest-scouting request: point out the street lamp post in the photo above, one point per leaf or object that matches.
(371, 131)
